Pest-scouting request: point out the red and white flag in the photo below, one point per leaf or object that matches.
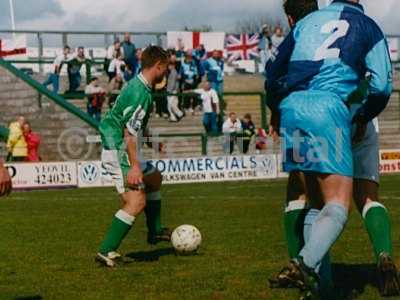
(242, 46)
(191, 40)
(16, 46)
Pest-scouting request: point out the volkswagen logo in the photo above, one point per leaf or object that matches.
(89, 173)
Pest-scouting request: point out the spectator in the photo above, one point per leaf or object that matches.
(114, 89)
(277, 38)
(214, 68)
(95, 95)
(138, 61)
(265, 46)
(231, 128)
(249, 130)
(128, 74)
(161, 100)
(33, 141)
(211, 108)
(4, 133)
(74, 69)
(54, 76)
(129, 50)
(190, 78)
(114, 51)
(261, 143)
(16, 143)
(175, 114)
(116, 67)
(180, 53)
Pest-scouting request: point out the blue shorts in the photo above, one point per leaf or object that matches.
(316, 132)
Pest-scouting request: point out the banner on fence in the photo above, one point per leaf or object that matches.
(89, 175)
(389, 161)
(43, 175)
(219, 168)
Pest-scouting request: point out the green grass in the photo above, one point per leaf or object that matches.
(48, 240)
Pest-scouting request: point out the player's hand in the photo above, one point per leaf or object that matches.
(5, 182)
(135, 176)
(359, 134)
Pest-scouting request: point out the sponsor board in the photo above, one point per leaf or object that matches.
(89, 175)
(216, 169)
(389, 161)
(43, 175)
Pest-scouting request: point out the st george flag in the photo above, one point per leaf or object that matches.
(191, 40)
(242, 46)
(16, 46)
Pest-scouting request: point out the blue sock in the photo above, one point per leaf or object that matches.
(324, 270)
(324, 232)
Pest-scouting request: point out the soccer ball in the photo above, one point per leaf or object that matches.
(186, 239)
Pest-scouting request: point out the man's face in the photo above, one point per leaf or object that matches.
(127, 37)
(67, 51)
(233, 118)
(117, 45)
(21, 121)
(81, 52)
(215, 55)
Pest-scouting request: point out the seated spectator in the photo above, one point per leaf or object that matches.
(95, 95)
(214, 69)
(211, 107)
(175, 114)
(231, 128)
(33, 142)
(261, 143)
(16, 143)
(74, 69)
(249, 130)
(54, 76)
(116, 67)
(190, 78)
(114, 89)
(114, 51)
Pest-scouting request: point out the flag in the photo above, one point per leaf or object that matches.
(191, 40)
(394, 49)
(16, 46)
(242, 46)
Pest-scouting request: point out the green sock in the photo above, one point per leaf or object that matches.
(294, 223)
(121, 224)
(153, 213)
(377, 222)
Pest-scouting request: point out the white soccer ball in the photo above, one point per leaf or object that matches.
(186, 239)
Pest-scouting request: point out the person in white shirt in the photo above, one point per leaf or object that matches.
(54, 76)
(116, 67)
(231, 128)
(277, 38)
(114, 51)
(211, 108)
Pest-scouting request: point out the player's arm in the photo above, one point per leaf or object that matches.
(276, 85)
(379, 67)
(5, 180)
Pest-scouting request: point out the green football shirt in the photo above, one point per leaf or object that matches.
(131, 110)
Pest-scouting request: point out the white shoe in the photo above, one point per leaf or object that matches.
(108, 260)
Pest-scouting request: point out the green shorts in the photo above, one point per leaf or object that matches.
(115, 167)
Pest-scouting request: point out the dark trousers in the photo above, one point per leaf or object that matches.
(94, 112)
(74, 81)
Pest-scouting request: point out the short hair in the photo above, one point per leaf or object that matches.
(67, 47)
(93, 79)
(247, 116)
(298, 9)
(153, 55)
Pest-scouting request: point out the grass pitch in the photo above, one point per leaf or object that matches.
(48, 240)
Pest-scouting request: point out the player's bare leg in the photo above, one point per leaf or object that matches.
(133, 204)
(156, 233)
(377, 223)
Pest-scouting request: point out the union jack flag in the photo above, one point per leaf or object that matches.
(242, 46)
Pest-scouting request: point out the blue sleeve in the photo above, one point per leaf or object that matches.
(276, 71)
(379, 69)
(206, 66)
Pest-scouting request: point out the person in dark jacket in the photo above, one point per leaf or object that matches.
(249, 130)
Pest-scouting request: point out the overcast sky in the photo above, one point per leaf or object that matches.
(162, 15)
